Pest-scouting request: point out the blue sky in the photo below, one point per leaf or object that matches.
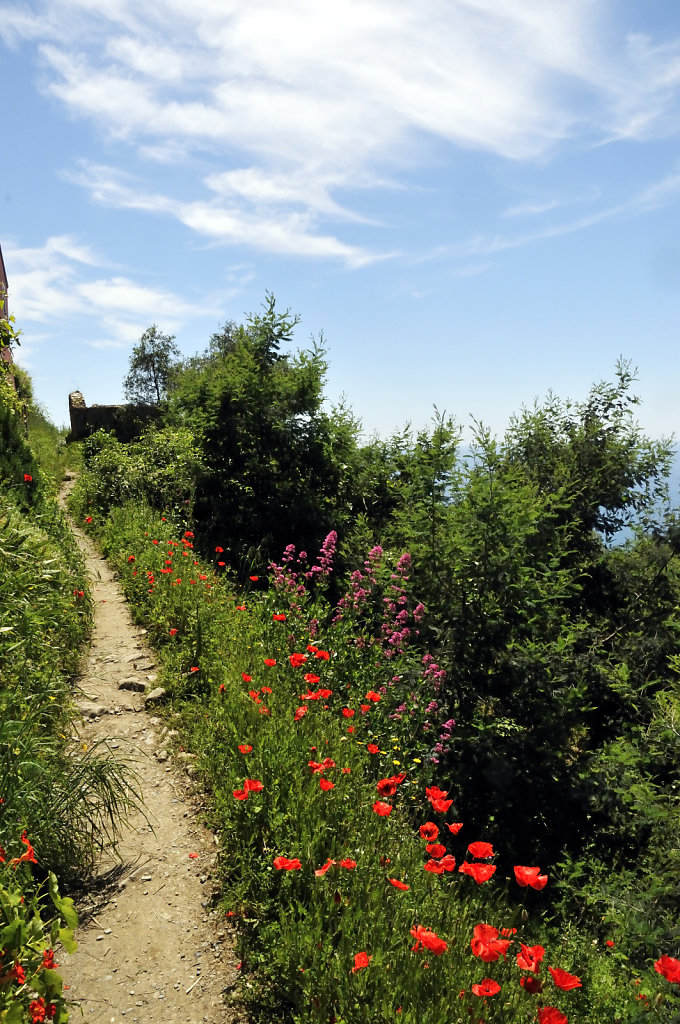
(476, 201)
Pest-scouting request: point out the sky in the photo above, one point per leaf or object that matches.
(473, 202)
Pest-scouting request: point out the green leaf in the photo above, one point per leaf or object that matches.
(67, 940)
(63, 904)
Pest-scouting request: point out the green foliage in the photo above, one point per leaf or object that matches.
(151, 365)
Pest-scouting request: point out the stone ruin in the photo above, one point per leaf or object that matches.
(127, 422)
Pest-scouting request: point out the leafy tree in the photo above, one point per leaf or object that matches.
(151, 364)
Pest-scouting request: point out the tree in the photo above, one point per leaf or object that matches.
(151, 364)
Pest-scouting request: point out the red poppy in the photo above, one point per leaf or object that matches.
(172, 632)
(348, 863)
(326, 784)
(270, 662)
(131, 558)
(311, 648)
(481, 849)
(372, 748)
(435, 793)
(531, 985)
(529, 959)
(434, 867)
(428, 940)
(361, 960)
(348, 713)
(387, 787)
(311, 679)
(365, 708)
(480, 872)
(563, 979)
(610, 943)
(429, 831)
(254, 578)
(253, 786)
(287, 864)
(486, 987)
(435, 849)
(373, 696)
(399, 885)
(266, 689)
(350, 728)
(669, 968)
(278, 618)
(240, 794)
(486, 945)
(246, 678)
(326, 867)
(448, 862)
(530, 876)
(455, 827)
(297, 659)
(48, 960)
(88, 519)
(383, 809)
(551, 1015)
(300, 713)
(27, 478)
(322, 655)
(219, 550)
(19, 974)
(27, 855)
(245, 748)
(441, 806)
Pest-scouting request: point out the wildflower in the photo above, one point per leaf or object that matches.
(551, 1015)
(28, 854)
(373, 696)
(669, 968)
(531, 985)
(287, 864)
(386, 787)
(222, 687)
(240, 607)
(486, 987)
(48, 960)
(435, 849)
(529, 959)
(88, 519)
(254, 578)
(322, 655)
(428, 940)
(441, 806)
(434, 867)
(311, 679)
(240, 794)
(131, 558)
(194, 668)
(300, 713)
(27, 478)
(172, 632)
(361, 960)
(19, 974)
(530, 876)
(270, 662)
(481, 849)
(348, 713)
(38, 1010)
(253, 786)
(429, 831)
(326, 784)
(486, 945)
(455, 827)
(383, 809)
(219, 550)
(398, 885)
(563, 979)
(610, 943)
(246, 678)
(278, 618)
(480, 872)
(348, 863)
(297, 660)
(326, 867)
(372, 748)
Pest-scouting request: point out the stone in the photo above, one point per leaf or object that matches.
(155, 695)
(132, 683)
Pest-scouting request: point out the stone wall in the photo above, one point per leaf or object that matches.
(126, 421)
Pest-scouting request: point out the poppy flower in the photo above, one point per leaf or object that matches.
(372, 748)
(219, 550)
(245, 748)
(383, 809)
(428, 940)
(486, 987)
(240, 794)
(27, 855)
(254, 578)
(435, 793)
(88, 519)
(322, 655)
(253, 786)
(348, 863)
(278, 618)
(172, 632)
(311, 649)
(531, 985)
(610, 943)
(297, 660)
(455, 827)
(481, 849)
(361, 960)
(429, 830)
(48, 960)
(441, 806)
(326, 784)
(387, 787)
(131, 558)
(480, 872)
(669, 968)
(27, 478)
(266, 689)
(287, 864)
(398, 885)
(19, 974)
(326, 867)
(365, 708)
(348, 713)
(448, 862)
(434, 867)
(529, 959)
(270, 662)
(350, 728)
(300, 713)
(311, 679)
(530, 876)
(551, 1015)
(486, 945)
(373, 696)
(435, 849)
(246, 678)
(563, 979)
(193, 856)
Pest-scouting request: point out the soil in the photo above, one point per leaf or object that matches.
(152, 948)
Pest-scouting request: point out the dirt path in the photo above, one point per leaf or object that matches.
(150, 949)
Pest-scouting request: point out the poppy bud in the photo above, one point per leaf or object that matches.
(525, 914)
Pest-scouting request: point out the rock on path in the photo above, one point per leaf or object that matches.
(150, 949)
